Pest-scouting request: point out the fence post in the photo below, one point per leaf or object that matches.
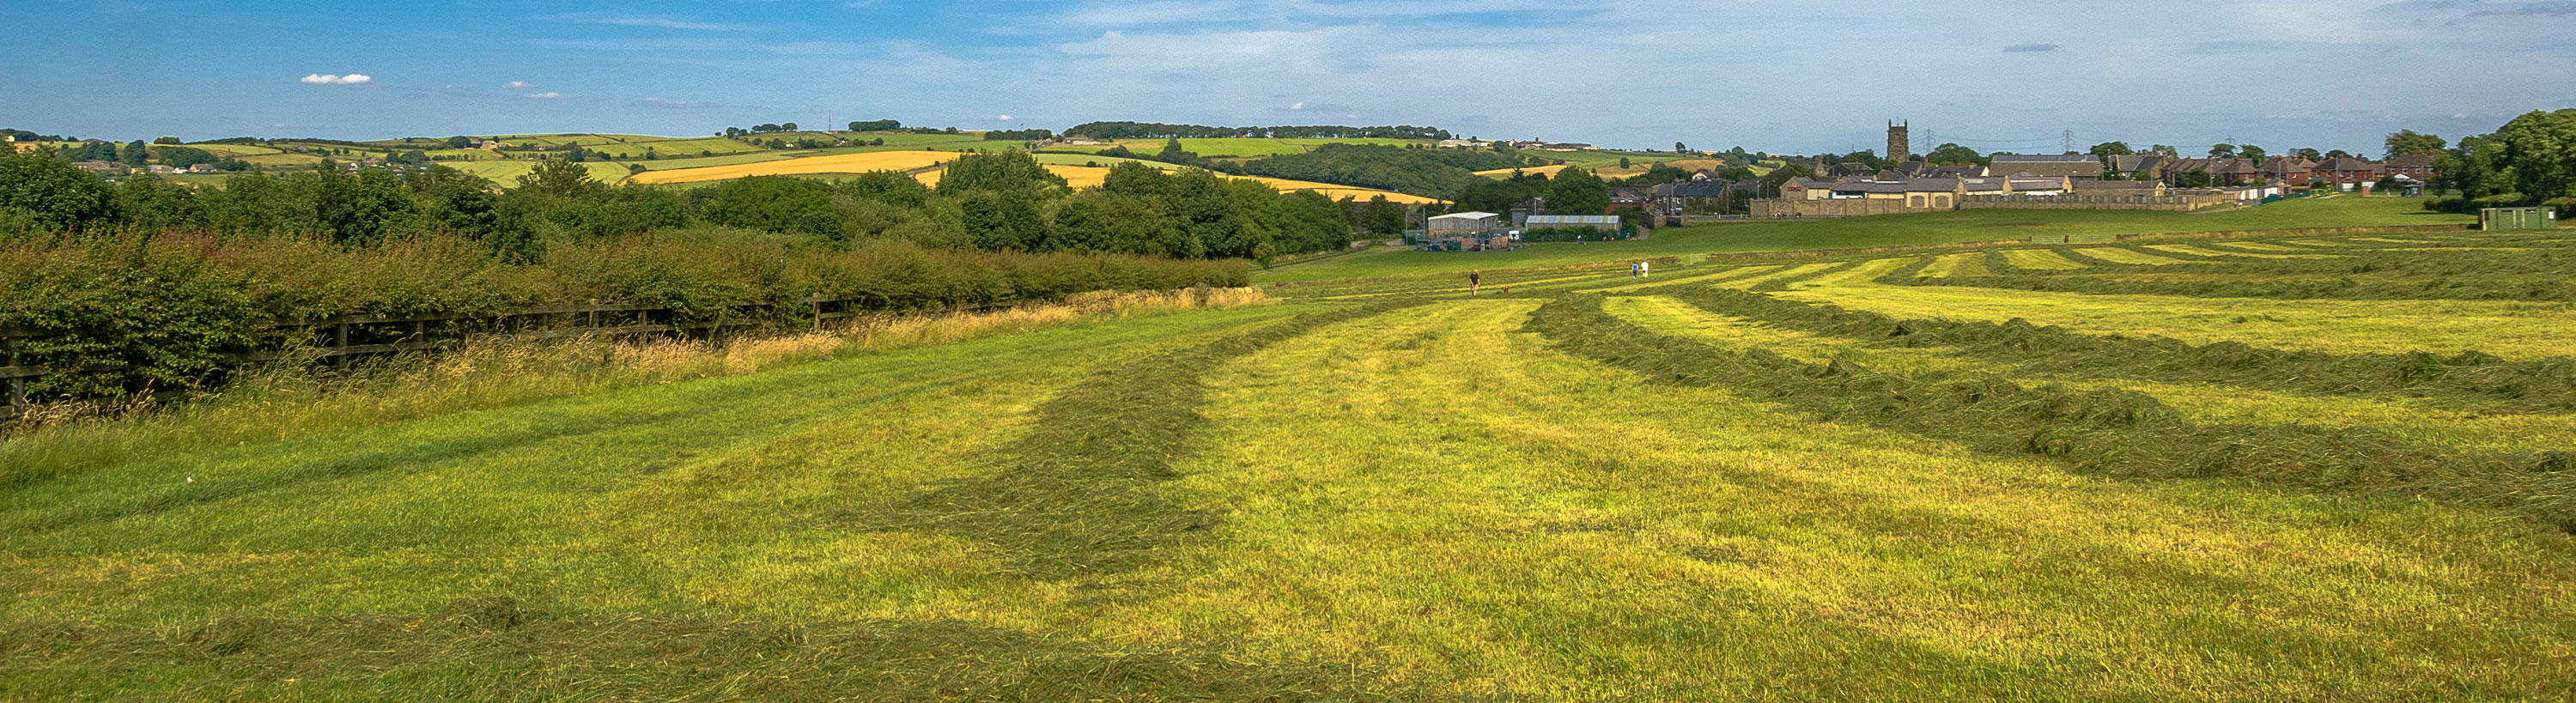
(17, 385)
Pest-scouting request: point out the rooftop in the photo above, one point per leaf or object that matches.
(2042, 158)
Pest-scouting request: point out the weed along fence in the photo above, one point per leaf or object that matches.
(337, 338)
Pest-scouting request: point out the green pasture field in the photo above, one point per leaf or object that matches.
(689, 147)
(460, 154)
(1105, 161)
(507, 173)
(1892, 230)
(408, 143)
(233, 149)
(1599, 159)
(1803, 477)
(724, 160)
(285, 159)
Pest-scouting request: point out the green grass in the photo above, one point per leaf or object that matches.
(507, 173)
(726, 160)
(1892, 230)
(1085, 159)
(1702, 486)
(686, 147)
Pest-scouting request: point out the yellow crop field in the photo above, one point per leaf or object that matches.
(837, 163)
(1092, 176)
(1507, 172)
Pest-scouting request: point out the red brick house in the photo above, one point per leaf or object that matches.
(2415, 166)
(2351, 169)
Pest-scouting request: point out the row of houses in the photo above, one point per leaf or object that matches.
(2276, 169)
(1893, 191)
(105, 168)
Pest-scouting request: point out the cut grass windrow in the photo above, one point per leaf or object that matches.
(2543, 384)
(2107, 431)
(496, 648)
(1076, 495)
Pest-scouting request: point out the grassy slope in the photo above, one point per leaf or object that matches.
(1490, 517)
(507, 173)
(1893, 230)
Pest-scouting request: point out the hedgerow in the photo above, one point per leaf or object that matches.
(129, 314)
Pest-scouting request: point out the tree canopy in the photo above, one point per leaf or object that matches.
(2406, 141)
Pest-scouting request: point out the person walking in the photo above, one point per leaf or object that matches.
(1475, 282)
(1645, 269)
(1632, 269)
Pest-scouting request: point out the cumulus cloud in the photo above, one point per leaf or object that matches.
(330, 79)
(548, 95)
(517, 85)
(1004, 118)
(2031, 48)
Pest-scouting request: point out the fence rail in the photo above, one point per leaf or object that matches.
(336, 333)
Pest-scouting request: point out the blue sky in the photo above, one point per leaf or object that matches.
(1779, 75)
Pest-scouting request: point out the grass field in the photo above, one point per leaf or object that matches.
(507, 173)
(1708, 485)
(1894, 230)
(1093, 176)
(836, 164)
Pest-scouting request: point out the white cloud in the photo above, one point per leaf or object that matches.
(1004, 118)
(330, 79)
(548, 95)
(517, 85)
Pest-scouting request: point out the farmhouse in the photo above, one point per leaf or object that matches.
(2415, 166)
(2141, 167)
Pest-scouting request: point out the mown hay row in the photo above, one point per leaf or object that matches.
(2039, 260)
(497, 647)
(2537, 385)
(1076, 495)
(2112, 432)
(2123, 255)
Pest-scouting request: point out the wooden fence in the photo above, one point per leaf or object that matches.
(340, 337)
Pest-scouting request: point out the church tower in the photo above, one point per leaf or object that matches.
(1899, 142)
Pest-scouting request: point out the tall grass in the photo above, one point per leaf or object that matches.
(295, 398)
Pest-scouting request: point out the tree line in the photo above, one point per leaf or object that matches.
(1155, 130)
(2529, 161)
(1438, 173)
(995, 202)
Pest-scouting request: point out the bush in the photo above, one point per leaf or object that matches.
(130, 313)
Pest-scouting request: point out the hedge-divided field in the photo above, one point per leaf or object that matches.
(1893, 230)
(2072, 472)
(1073, 170)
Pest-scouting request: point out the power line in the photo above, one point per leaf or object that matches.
(2002, 141)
